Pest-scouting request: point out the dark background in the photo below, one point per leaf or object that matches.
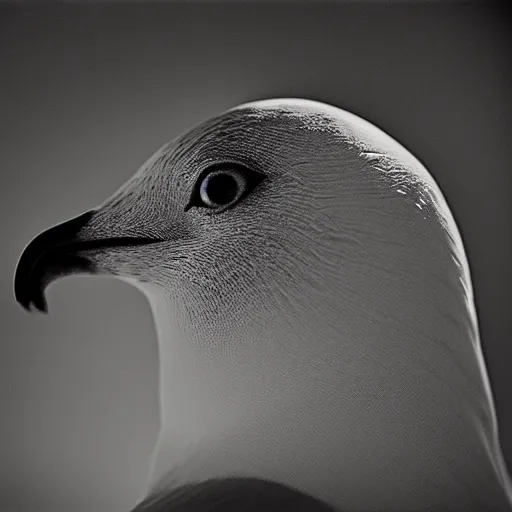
(88, 92)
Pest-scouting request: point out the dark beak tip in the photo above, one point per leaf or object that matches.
(25, 295)
(40, 306)
(33, 305)
(31, 278)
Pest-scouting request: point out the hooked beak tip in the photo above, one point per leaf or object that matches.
(41, 258)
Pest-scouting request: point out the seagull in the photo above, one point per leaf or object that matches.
(318, 339)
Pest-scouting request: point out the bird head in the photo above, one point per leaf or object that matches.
(280, 196)
(279, 219)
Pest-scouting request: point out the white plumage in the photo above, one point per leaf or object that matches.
(316, 329)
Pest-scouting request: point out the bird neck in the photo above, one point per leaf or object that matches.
(327, 421)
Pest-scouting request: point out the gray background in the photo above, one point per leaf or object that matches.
(88, 92)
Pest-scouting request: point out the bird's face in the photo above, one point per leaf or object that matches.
(261, 215)
(238, 201)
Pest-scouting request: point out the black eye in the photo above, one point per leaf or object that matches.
(222, 186)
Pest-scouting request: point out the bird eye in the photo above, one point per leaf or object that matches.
(222, 186)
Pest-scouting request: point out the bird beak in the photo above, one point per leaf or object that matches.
(58, 252)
